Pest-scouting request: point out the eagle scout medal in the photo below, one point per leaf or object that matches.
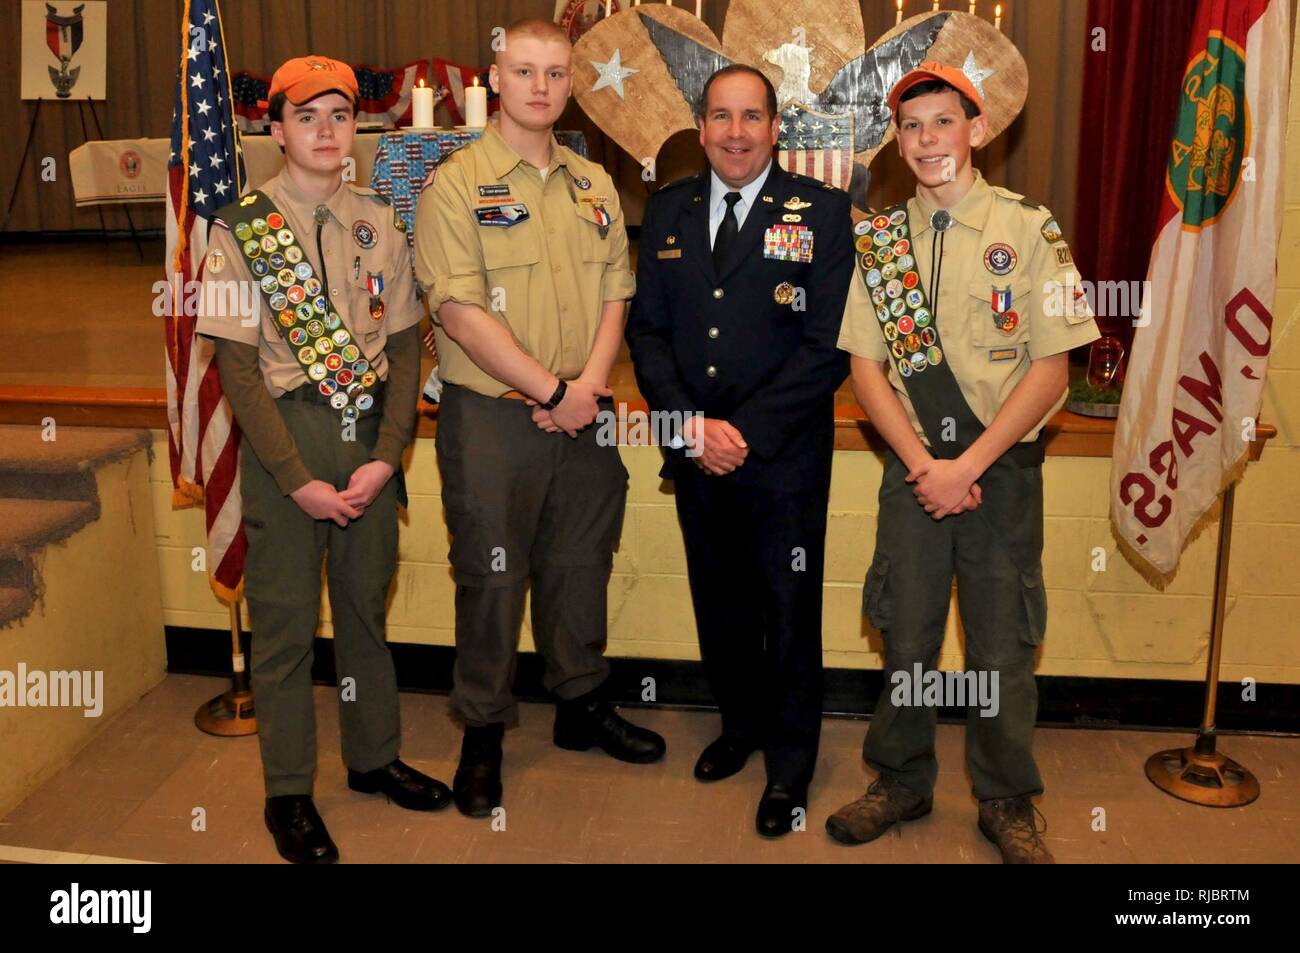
(375, 284)
(784, 293)
(363, 233)
(323, 358)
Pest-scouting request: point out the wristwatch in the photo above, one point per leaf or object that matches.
(557, 396)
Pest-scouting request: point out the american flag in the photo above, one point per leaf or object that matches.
(815, 144)
(204, 172)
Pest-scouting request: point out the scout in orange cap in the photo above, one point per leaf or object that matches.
(959, 357)
(940, 119)
(323, 381)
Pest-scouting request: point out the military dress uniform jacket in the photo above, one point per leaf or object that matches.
(754, 344)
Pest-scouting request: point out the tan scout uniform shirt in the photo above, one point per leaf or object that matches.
(545, 277)
(358, 217)
(987, 362)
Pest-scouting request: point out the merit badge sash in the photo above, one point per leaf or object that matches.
(888, 268)
(303, 314)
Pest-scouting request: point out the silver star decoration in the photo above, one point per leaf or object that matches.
(613, 73)
(975, 74)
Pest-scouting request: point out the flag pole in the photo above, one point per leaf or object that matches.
(1201, 774)
(231, 714)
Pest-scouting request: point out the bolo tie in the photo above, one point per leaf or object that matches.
(940, 221)
(322, 215)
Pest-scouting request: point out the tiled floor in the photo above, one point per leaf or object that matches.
(132, 793)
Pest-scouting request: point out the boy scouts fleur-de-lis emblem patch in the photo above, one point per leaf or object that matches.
(1211, 135)
(639, 74)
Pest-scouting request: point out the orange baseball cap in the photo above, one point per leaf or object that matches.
(951, 75)
(306, 77)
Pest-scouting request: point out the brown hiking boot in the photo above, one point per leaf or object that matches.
(886, 802)
(1011, 823)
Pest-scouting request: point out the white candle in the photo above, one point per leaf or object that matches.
(898, 17)
(997, 17)
(971, 11)
(699, 6)
(607, 3)
(476, 105)
(935, 8)
(422, 107)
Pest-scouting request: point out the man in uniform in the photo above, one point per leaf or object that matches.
(741, 282)
(521, 250)
(323, 386)
(959, 322)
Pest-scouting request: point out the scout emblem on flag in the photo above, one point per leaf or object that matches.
(816, 144)
(63, 36)
(1197, 369)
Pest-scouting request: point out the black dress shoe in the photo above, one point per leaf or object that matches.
(404, 786)
(776, 809)
(586, 722)
(476, 788)
(300, 834)
(723, 758)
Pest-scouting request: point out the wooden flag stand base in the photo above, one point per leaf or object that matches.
(1201, 774)
(231, 714)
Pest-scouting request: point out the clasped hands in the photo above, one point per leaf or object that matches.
(945, 487)
(322, 501)
(576, 411)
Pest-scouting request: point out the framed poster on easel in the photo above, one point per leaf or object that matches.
(65, 49)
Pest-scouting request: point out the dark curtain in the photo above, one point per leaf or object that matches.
(1126, 121)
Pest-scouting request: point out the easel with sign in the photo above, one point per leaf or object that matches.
(83, 106)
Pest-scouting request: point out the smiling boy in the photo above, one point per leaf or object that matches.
(959, 358)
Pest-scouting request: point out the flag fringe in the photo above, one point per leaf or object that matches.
(225, 595)
(186, 494)
(1155, 577)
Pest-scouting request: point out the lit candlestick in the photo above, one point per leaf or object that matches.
(607, 3)
(476, 105)
(699, 7)
(971, 11)
(997, 17)
(422, 107)
(898, 17)
(935, 8)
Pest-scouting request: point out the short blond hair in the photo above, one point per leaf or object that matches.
(538, 29)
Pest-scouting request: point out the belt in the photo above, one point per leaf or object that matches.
(515, 395)
(310, 394)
